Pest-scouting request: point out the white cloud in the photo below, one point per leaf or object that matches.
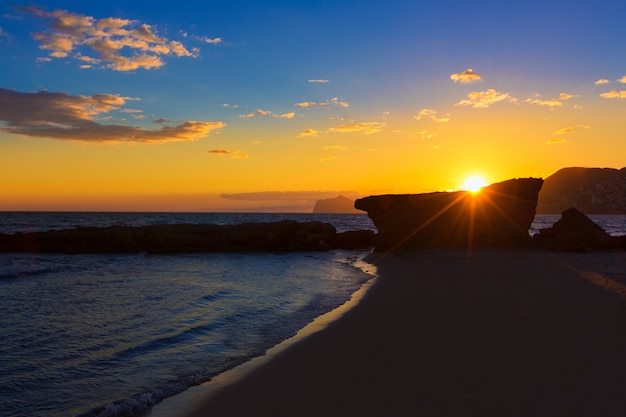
(602, 81)
(319, 81)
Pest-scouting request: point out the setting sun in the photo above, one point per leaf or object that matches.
(474, 183)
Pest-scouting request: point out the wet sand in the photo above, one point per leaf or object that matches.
(447, 333)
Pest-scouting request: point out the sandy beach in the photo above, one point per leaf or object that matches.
(447, 333)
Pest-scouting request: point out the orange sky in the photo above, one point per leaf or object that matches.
(216, 115)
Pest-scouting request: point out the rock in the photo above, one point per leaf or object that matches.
(590, 190)
(497, 216)
(354, 239)
(287, 235)
(339, 204)
(574, 231)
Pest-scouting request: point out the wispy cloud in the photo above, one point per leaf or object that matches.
(602, 81)
(564, 130)
(484, 99)
(540, 102)
(614, 94)
(466, 77)
(119, 44)
(230, 106)
(259, 112)
(319, 81)
(289, 115)
(328, 158)
(61, 116)
(622, 80)
(327, 103)
(555, 141)
(364, 127)
(565, 96)
(307, 133)
(233, 154)
(433, 115)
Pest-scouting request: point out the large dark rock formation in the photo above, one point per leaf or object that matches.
(287, 235)
(339, 204)
(576, 232)
(498, 216)
(590, 190)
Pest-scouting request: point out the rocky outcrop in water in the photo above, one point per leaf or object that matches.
(497, 216)
(574, 231)
(287, 235)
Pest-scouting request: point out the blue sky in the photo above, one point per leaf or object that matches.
(304, 96)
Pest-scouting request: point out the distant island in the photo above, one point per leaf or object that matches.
(590, 190)
(338, 205)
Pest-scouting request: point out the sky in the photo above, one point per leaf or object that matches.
(271, 105)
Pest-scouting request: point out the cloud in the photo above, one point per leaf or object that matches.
(565, 96)
(336, 148)
(328, 158)
(233, 154)
(549, 103)
(569, 129)
(602, 81)
(120, 44)
(46, 114)
(364, 127)
(259, 112)
(230, 106)
(333, 101)
(289, 115)
(484, 99)
(466, 77)
(319, 81)
(432, 114)
(555, 141)
(308, 133)
(311, 196)
(614, 94)
(622, 80)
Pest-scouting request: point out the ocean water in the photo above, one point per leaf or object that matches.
(112, 335)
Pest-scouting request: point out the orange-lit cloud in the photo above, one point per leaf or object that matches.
(484, 99)
(259, 112)
(234, 154)
(540, 102)
(432, 114)
(289, 115)
(326, 103)
(622, 80)
(61, 116)
(614, 94)
(328, 158)
(569, 129)
(308, 133)
(466, 77)
(364, 127)
(565, 96)
(602, 81)
(120, 44)
(555, 141)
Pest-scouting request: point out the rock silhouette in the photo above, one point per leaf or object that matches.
(497, 216)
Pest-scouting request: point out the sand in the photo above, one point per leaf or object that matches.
(447, 333)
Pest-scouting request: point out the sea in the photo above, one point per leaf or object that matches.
(115, 334)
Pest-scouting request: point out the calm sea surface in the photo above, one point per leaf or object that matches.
(111, 335)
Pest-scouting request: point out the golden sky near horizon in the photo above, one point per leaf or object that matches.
(112, 108)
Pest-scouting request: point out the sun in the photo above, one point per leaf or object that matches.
(474, 183)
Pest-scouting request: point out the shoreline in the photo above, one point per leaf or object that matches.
(447, 332)
(190, 399)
